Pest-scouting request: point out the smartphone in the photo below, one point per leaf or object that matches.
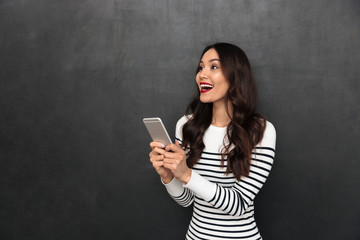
(157, 130)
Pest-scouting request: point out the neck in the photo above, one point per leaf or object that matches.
(220, 117)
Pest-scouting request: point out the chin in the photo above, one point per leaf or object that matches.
(204, 100)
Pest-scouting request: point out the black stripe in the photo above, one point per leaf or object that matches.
(244, 194)
(249, 210)
(228, 237)
(222, 225)
(199, 198)
(207, 170)
(212, 213)
(211, 176)
(188, 199)
(266, 170)
(197, 237)
(234, 203)
(250, 184)
(208, 164)
(237, 203)
(206, 206)
(228, 202)
(225, 197)
(224, 231)
(263, 154)
(267, 148)
(243, 204)
(223, 219)
(259, 174)
(211, 159)
(262, 161)
(218, 198)
(255, 179)
(212, 199)
(181, 195)
(217, 154)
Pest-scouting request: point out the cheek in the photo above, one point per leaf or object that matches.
(223, 85)
(197, 79)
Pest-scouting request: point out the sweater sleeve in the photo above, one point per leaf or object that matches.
(183, 196)
(237, 199)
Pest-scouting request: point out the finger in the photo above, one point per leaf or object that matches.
(157, 150)
(173, 162)
(173, 147)
(168, 160)
(157, 158)
(157, 144)
(171, 155)
(158, 164)
(169, 166)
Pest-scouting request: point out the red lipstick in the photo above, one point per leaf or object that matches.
(205, 87)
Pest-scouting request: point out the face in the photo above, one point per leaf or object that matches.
(210, 79)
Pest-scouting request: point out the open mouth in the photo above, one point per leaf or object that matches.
(205, 87)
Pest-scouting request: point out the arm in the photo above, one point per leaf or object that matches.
(175, 188)
(183, 196)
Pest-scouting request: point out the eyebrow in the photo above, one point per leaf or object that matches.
(211, 60)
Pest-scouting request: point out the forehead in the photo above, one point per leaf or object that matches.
(210, 55)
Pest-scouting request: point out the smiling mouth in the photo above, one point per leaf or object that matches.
(205, 87)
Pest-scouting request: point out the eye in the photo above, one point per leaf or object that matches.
(200, 68)
(214, 67)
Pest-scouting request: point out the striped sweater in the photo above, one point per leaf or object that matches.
(223, 208)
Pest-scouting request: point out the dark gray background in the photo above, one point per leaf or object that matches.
(77, 77)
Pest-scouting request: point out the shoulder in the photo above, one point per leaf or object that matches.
(180, 123)
(269, 137)
(270, 130)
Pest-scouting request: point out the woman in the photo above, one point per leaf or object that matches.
(224, 150)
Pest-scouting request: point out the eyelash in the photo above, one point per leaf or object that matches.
(212, 67)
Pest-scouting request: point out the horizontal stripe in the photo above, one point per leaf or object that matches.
(228, 237)
(208, 170)
(263, 154)
(266, 148)
(213, 153)
(210, 165)
(256, 160)
(222, 177)
(222, 220)
(212, 212)
(223, 231)
(222, 225)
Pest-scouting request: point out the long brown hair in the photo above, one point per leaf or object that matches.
(246, 128)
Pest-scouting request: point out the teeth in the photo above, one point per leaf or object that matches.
(206, 86)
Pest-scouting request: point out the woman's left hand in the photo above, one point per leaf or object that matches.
(175, 161)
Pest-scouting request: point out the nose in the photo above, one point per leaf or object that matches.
(203, 74)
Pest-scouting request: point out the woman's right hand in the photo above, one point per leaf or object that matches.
(157, 160)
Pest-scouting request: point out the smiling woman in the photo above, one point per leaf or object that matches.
(224, 150)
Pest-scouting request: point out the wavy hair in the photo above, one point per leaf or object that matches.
(246, 127)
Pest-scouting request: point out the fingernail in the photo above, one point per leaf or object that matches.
(162, 145)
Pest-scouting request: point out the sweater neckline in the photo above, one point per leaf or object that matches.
(217, 128)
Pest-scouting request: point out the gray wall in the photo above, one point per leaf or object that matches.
(77, 77)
